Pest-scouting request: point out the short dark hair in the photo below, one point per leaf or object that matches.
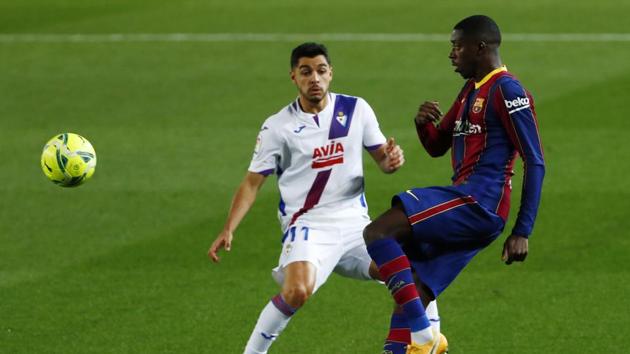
(481, 28)
(309, 50)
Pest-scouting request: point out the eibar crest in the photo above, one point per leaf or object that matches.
(341, 118)
(478, 105)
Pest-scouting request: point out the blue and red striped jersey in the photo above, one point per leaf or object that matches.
(490, 123)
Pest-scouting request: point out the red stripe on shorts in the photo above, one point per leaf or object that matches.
(440, 208)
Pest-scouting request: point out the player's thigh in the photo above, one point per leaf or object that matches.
(318, 245)
(355, 261)
(392, 223)
(440, 215)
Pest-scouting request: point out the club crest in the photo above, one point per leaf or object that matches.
(478, 105)
(341, 118)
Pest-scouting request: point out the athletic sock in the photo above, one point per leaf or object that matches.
(271, 322)
(394, 267)
(399, 335)
(433, 316)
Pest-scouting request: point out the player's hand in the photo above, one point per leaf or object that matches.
(224, 240)
(394, 156)
(429, 111)
(515, 249)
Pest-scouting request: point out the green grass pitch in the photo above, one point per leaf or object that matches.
(119, 265)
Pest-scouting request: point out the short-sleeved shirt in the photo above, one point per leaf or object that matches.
(318, 158)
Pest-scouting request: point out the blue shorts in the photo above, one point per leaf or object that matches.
(449, 229)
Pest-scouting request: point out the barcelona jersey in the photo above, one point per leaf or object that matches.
(488, 126)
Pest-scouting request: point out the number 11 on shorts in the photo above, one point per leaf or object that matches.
(292, 231)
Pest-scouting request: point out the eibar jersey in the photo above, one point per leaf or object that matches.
(488, 125)
(318, 158)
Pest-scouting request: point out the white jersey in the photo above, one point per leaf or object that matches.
(318, 158)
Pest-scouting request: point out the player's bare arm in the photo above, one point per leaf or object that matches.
(241, 203)
(389, 156)
(429, 111)
(515, 248)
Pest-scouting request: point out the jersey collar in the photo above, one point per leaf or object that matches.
(489, 76)
(308, 117)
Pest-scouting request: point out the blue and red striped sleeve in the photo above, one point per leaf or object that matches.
(437, 139)
(516, 109)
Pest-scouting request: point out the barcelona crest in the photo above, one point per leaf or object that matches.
(478, 105)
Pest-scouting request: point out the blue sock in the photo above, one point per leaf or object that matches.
(394, 267)
(399, 335)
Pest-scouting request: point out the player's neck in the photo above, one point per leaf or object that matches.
(487, 68)
(313, 107)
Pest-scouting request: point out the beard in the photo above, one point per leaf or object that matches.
(315, 98)
(466, 74)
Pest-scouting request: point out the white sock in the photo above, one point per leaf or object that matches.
(427, 334)
(422, 336)
(434, 317)
(270, 324)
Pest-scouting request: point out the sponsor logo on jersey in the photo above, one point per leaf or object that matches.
(478, 105)
(466, 128)
(517, 102)
(328, 155)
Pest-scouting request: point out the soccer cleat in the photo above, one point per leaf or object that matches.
(442, 347)
(426, 348)
(439, 346)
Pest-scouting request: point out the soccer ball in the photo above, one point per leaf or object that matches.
(68, 160)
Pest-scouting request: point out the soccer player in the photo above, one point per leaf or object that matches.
(435, 231)
(315, 146)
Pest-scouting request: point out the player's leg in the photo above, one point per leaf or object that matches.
(434, 316)
(356, 263)
(382, 238)
(399, 335)
(307, 260)
(299, 282)
(449, 228)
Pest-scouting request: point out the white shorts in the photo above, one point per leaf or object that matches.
(338, 248)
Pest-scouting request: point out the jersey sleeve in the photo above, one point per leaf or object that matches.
(516, 109)
(267, 152)
(373, 138)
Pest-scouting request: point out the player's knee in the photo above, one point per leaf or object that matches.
(296, 295)
(372, 233)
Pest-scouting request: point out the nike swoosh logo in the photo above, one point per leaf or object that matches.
(411, 194)
(299, 129)
(267, 336)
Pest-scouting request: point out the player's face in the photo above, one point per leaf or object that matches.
(463, 55)
(312, 76)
